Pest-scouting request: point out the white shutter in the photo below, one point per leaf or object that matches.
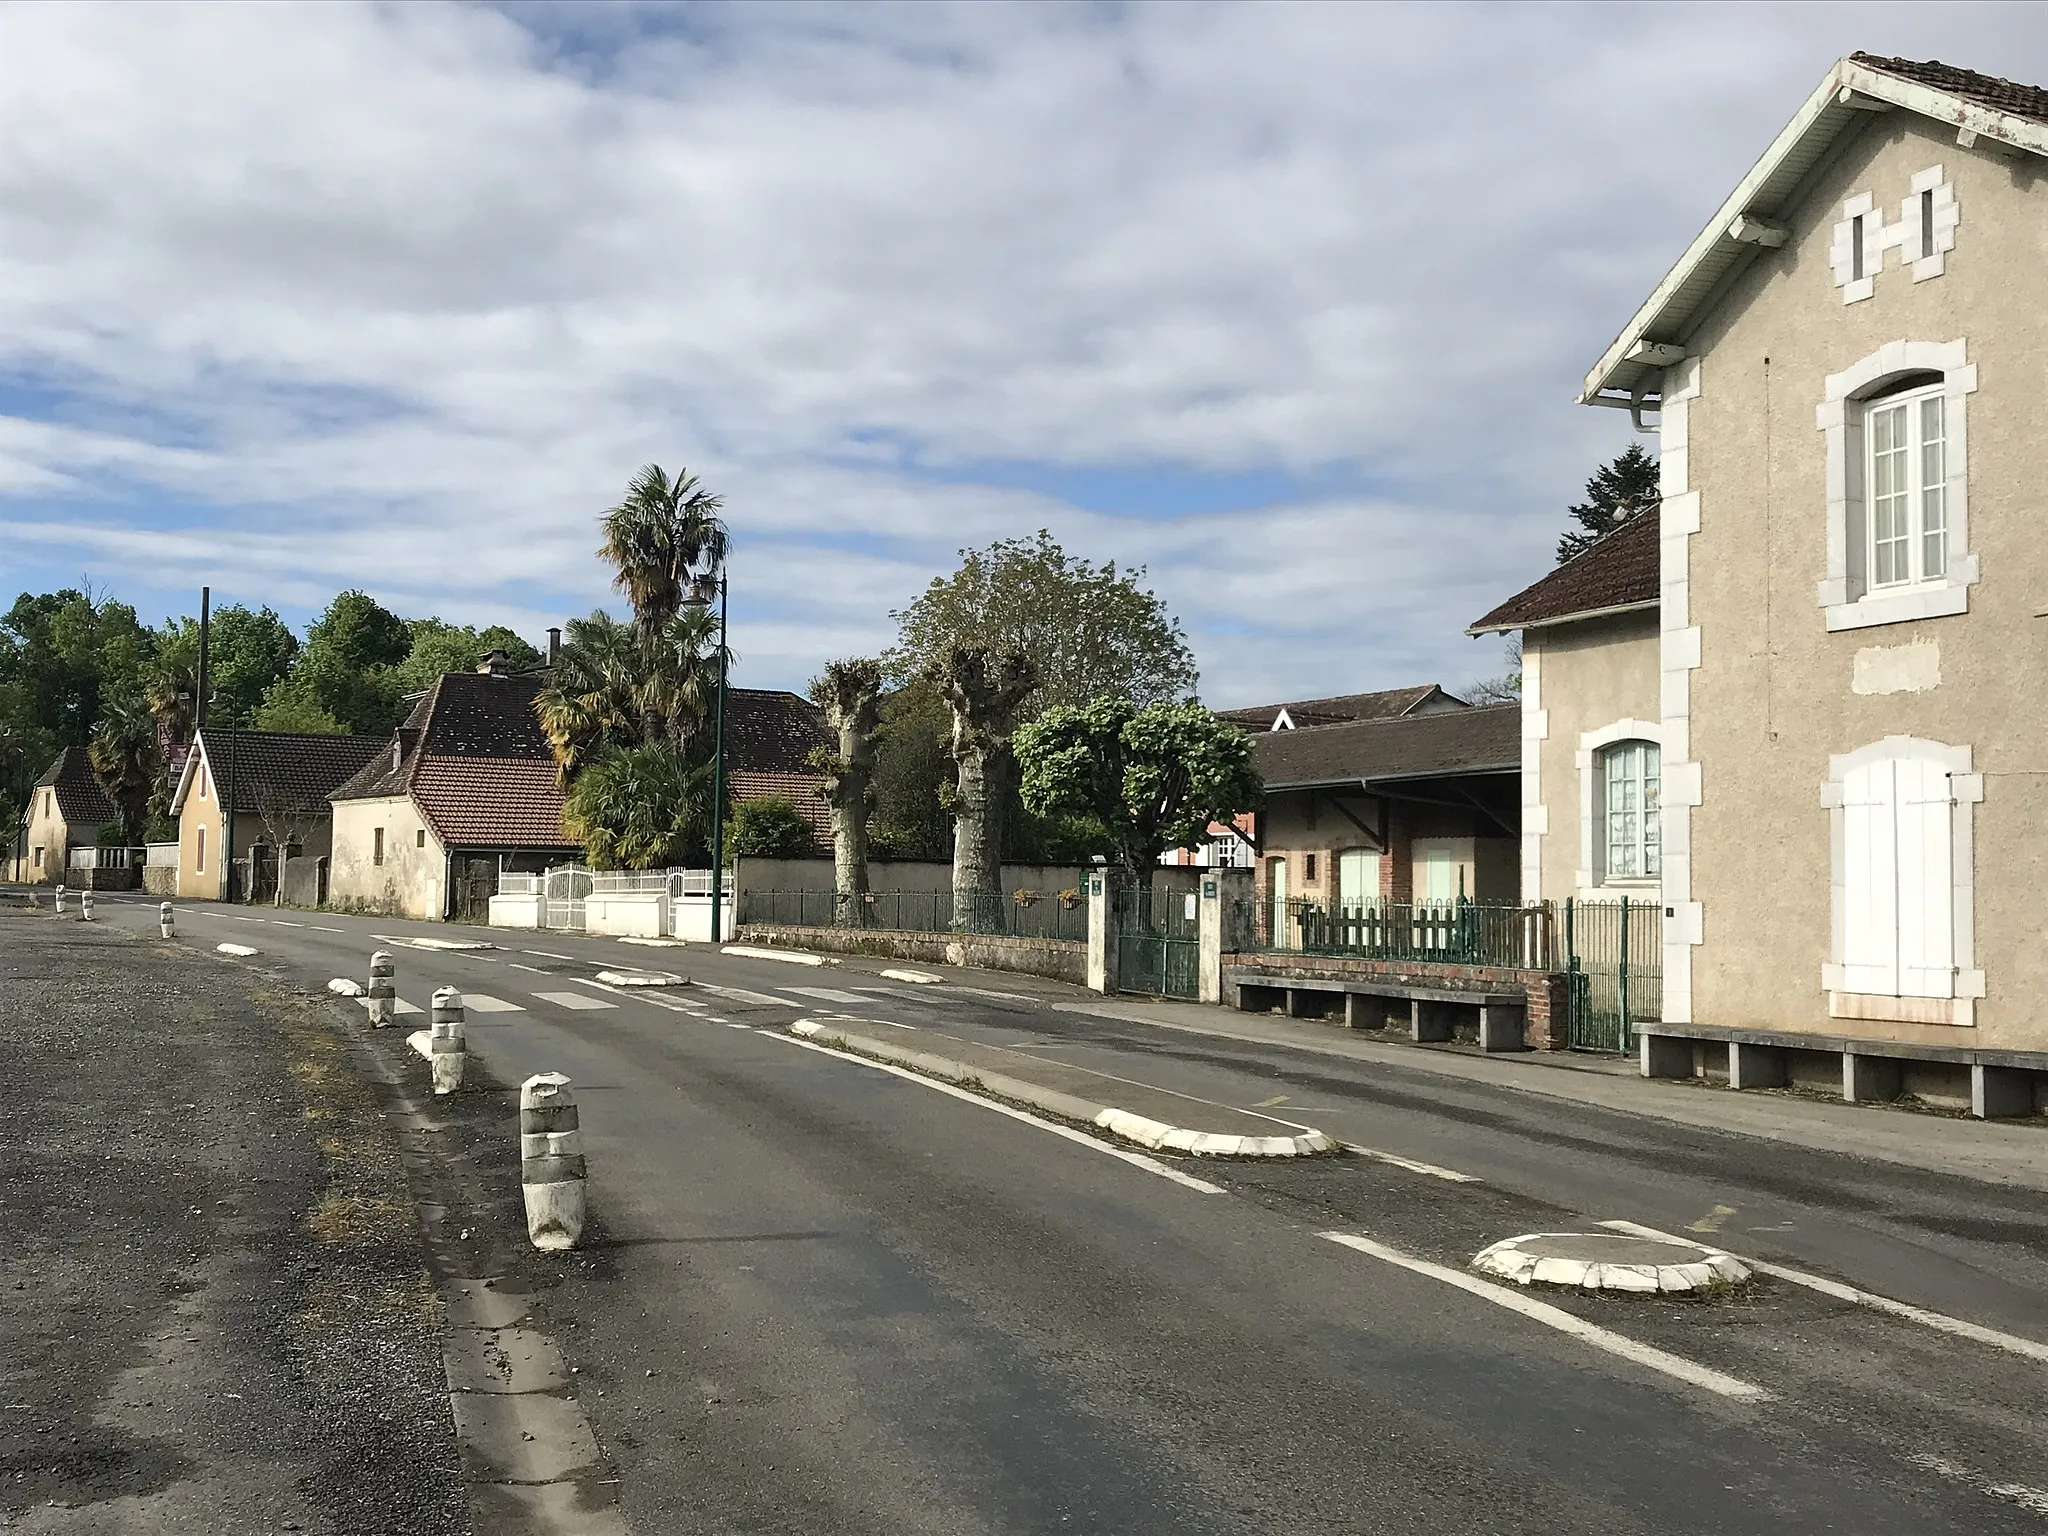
(1926, 884)
(1870, 882)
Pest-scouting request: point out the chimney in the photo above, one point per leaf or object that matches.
(494, 664)
(554, 646)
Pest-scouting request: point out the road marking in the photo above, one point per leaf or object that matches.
(638, 994)
(398, 1005)
(533, 969)
(742, 995)
(2033, 1349)
(1272, 1103)
(1008, 997)
(1434, 1170)
(483, 1002)
(574, 1000)
(1712, 1221)
(546, 954)
(826, 994)
(2031, 1499)
(241, 919)
(318, 929)
(1688, 1371)
(281, 923)
(1135, 1159)
(728, 1023)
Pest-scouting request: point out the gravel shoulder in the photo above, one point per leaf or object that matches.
(215, 1307)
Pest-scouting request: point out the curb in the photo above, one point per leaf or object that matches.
(787, 956)
(1155, 1135)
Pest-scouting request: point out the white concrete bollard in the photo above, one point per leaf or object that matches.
(60, 901)
(551, 1169)
(85, 905)
(383, 993)
(165, 927)
(446, 1045)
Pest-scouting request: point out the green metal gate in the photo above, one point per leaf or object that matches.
(1158, 945)
(1614, 970)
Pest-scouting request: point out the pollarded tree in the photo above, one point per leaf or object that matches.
(1154, 778)
(850, 693)
(984, 688)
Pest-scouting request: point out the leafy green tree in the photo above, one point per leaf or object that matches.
(438, 647)
(1620, 488)
(291, 705)
(1153, 777)
(642, 806)
(61, 655)
(1089, 630)
(349, 664)
(769, 827)
(248, 650)
(913, 776)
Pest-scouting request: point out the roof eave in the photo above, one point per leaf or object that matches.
(1648, 605)
(1667, 316)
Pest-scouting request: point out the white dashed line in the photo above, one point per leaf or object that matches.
(1135, 1159)
(533, 969)
(1688, 1371)
(281, 923)
(318, 929)
(546, 954)
(1941, 1322)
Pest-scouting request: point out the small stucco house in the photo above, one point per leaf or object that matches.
(464, 789)
(1408, 808)
(248, 801)
(1844, 374)
(66, 810)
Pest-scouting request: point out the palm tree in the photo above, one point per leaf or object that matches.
(123, 753)
(592, 696)
(679, 683)
(640, 807)
(850, 693)
(660, 538)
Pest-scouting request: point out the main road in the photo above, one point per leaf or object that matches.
(829, 1297)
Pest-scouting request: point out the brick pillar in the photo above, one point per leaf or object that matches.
(1547, 1026)
(1397, 865)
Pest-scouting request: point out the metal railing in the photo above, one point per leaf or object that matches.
(1038, 917)
(1614, 955)
(1504, 934)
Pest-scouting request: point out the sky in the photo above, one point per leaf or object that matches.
(1287, 304)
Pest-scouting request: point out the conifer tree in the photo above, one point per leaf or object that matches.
(1619, 489)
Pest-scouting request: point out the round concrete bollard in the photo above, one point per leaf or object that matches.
(551, 1168)
(60, 901)
(383, 992)
(85, 905)
(446, 1045)
(165, 927)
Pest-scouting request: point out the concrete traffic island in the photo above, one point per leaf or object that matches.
(642, 979)
(1148, 1117)
(1610, 1261)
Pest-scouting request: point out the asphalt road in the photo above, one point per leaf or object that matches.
(828, 1297)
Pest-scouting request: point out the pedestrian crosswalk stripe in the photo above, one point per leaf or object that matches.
(827, 994)
(398, 1005)
(483, 1002)
(574, 1000)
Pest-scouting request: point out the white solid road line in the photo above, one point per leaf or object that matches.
(2033, 1349)
(1688, 1371)
(1135, 1159)
(1434, 1170)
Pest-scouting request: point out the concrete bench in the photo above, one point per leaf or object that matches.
(2003, 1084)
(1432, 1011)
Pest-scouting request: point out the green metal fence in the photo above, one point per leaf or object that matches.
(1450, 932)
(1614, 964)
(1045, 916)
(1158, 942)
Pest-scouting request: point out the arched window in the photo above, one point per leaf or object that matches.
(1631, 833)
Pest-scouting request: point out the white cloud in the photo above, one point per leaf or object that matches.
(400, 296)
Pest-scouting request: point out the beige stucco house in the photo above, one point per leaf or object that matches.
(265, 793)
(1844, 371)
(66, 810)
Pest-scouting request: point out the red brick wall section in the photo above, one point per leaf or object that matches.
(1544, 1027)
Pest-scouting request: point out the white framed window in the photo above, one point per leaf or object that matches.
(1896, 441)
(1900, 814)
(1631, 830)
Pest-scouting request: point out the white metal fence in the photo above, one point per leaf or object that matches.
(108, 858)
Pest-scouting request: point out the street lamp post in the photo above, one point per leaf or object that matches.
(701, 591)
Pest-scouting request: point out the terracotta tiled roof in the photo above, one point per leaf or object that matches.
(1987, 91)
(1619, 572)
(803, 788)
(1486, 739)
(283, 769)
(80, 799)
(1387, 704)
(491, 802)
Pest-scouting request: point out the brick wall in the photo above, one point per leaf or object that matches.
(1544, 1028)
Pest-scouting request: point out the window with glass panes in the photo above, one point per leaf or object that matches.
(1908, 488)
(1629, 804)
